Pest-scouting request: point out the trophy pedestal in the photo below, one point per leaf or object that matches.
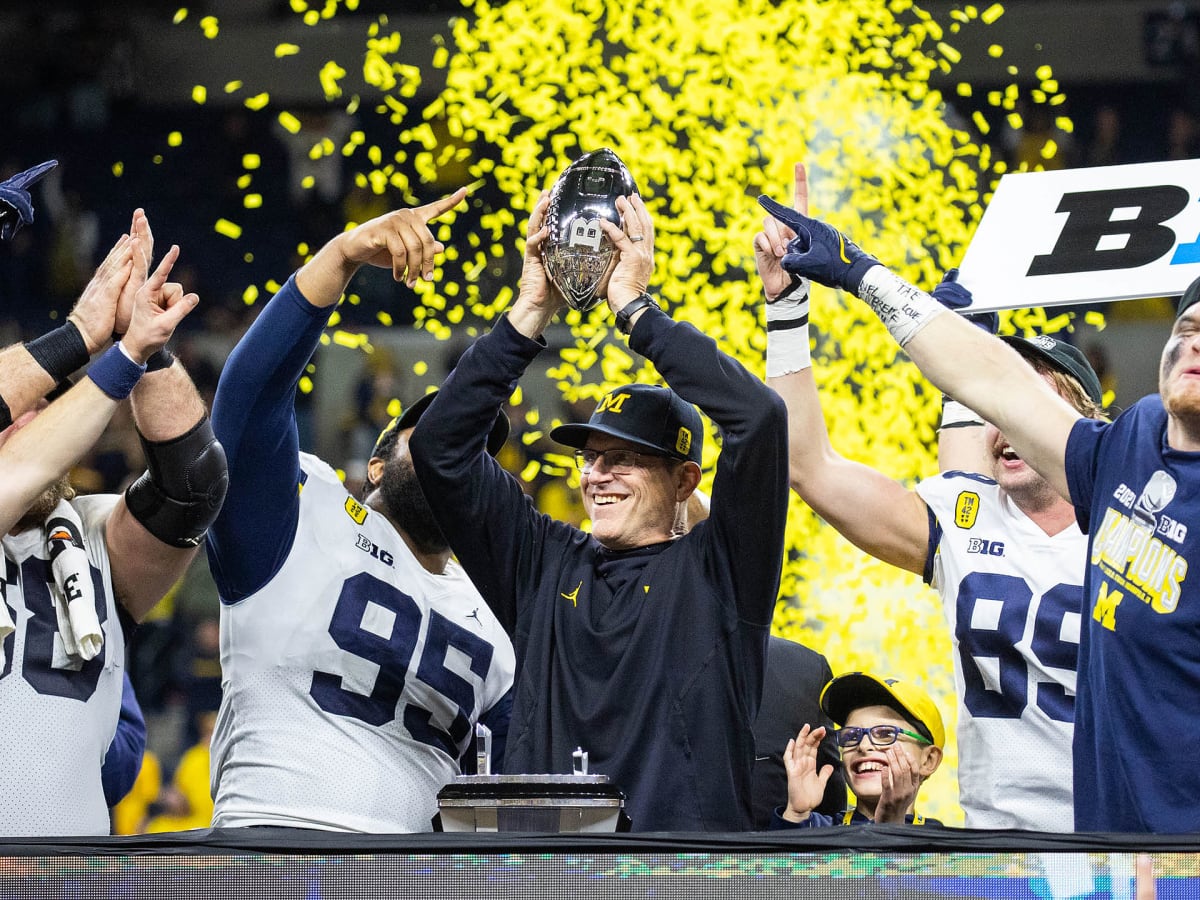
(531, 803)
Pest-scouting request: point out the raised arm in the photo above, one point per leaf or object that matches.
(254, 411)
(155, 528)
(874, 512)
(977, 369)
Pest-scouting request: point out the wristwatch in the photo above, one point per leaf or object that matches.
(626, 312)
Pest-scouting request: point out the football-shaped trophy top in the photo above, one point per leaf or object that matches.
(578, 257)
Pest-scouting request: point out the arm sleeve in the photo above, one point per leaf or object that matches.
(482, 510)
(750, 489)
(254, 418)
(1083, 449)
(123, 760)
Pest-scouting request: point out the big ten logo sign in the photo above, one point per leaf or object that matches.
(1118, 229)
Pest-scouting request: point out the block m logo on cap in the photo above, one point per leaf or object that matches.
(612, 403)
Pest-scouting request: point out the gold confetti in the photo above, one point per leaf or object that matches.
(290, 123)
(228, 229)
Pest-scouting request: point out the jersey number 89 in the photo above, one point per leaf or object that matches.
(1047, 648)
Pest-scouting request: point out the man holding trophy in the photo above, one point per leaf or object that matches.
(643, 642)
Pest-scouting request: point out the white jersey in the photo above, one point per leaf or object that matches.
(351, 680)
(59, 712)
(1012, 596)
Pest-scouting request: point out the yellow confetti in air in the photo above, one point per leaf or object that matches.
(289, 122)
(1095, 318)
(258, 101)
(118, 169)
(251, 161)
(252, 201)
(174, 139)
(331, 73)
(250, 294)
(232, 87)
(180, 15)
(199, 94)
(525, 87)
(305, 384)
(282, 50)
(210, 26)
(228, 229)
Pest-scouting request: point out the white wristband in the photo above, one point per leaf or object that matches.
(787, 331)
(955, 415)
(903, 308)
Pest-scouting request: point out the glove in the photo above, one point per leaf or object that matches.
(820, 251)
(954, 296)
(16, 207)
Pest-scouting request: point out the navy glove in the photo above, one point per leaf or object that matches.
(820, 251)
(953, 295)
(16, 207)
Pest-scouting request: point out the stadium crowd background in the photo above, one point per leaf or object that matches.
(112, 95)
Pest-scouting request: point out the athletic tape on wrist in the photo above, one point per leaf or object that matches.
(955, 415)
(115, 372)
(60, 352)
(903, 308)
(787, 331)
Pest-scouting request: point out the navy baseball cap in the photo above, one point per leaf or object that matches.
(1189, 298)
(654, 417)
(1061, 356)
(408, 418)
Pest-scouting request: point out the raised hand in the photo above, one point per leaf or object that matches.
(536, 288)
(771, 243)
(820, 251)
(901, 779)
(806, 786)
(94, 313)
(635, 244)
(953, 295)
(143, 253)
(400, 240)
(158, 308)
(16, 206)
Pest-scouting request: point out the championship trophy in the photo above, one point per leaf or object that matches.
(577, 255)
(575, 803)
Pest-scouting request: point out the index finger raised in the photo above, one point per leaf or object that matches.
(445, 204)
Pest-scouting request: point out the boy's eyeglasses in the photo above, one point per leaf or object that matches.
(881, 736)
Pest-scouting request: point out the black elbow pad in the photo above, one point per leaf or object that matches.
(183, 487)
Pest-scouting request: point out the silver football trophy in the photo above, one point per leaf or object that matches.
(578, 257)
(578, 802)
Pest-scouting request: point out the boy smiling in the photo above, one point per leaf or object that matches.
(891, 738)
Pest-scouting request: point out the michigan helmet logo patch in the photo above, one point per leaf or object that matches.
(356, 510)
(612, 403)
(966, 509)
(683, 441)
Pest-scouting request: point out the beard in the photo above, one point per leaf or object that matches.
(40, 509)
(405, 505)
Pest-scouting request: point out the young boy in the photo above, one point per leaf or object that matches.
(891, 739)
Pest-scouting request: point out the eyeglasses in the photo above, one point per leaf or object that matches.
(619, 462)
(881, 736)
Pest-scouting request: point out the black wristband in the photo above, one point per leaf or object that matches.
(60, 352)
(160, 359)
(626, 312)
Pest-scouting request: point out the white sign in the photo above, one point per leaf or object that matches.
(1087, 235)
